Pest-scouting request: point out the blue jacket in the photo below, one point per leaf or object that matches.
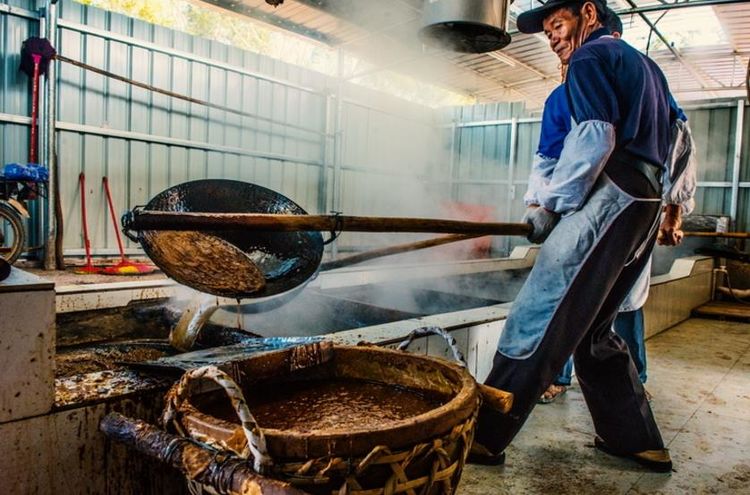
(618, 98)
(557, 123)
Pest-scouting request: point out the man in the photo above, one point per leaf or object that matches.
(677, 196)
(600, 212)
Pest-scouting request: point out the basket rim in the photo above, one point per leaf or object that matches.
(395, 434)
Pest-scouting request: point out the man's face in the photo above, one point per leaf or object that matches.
(561, 27)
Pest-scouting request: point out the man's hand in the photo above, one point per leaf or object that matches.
(542, 221)
(669, 230)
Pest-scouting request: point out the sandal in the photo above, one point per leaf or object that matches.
(655, 460)
(552, 393)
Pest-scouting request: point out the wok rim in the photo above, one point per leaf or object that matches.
(263, 299)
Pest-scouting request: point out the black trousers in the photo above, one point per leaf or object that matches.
(581, 324)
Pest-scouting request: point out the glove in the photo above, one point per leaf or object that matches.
(542, 222)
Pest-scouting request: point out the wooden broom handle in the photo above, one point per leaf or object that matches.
(160, 220)
(732, 235)
(397, 249)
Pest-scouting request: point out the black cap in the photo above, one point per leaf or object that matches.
(530, 22)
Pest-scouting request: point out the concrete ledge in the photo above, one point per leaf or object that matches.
(521, 257)
(71, 298)
(675, 294)
(88, 297)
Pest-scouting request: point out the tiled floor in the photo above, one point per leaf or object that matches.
(699, 374)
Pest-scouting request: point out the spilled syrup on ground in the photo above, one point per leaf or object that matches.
(103, 357)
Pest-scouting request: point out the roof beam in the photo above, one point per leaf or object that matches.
(738, 87)
(506, 89)
(696, 73)
(660, 7)
(524, 65)
(676, 5)
(259, 14)
(517, 61)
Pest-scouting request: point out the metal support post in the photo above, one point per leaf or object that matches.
(511, 175)
(338, 146)
(737, 160)
(323, 190)
(455, 147)
(50, 151)
(40, 207)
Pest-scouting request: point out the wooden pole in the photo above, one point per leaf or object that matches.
(391, 250)
(227, 474)
(160, 220)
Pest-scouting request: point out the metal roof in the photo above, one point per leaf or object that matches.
(704, 65)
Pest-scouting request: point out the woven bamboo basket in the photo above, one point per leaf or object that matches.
(423, 454)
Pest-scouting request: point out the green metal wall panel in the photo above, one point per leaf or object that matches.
(383, 139)
(713, 131)
(743, 212)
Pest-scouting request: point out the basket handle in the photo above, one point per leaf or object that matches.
(424, 331)
(256, 441)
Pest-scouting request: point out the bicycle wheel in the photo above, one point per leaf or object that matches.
(12, 233)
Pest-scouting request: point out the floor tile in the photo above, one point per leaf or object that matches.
(564, 468)
(695, 478)
(729, 399)
(712, 439)
(699, 374)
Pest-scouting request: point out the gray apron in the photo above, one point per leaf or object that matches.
(567, 306)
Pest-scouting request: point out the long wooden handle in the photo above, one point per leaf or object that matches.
(731, 235)
(160, 220)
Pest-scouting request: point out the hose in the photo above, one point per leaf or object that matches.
(730, 290)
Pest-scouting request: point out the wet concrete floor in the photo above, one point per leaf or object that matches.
(699, 375)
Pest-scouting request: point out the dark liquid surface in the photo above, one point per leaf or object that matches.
(336, 404)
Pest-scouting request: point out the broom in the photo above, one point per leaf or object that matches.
(36, 54)
(125, 266)
(88, 267)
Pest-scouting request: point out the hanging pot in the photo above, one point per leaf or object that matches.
(468, 26)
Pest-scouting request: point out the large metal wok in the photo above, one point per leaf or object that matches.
(229, 263)
(244, 241)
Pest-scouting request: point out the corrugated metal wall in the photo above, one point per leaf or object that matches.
(715, 134)
(163, 141)
(494, 145)
(145, 142)
(484, 147)
(392, 159)
(15, 100)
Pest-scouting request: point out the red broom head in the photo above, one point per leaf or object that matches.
(40, 47)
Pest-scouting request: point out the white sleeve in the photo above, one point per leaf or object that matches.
(541, 172)
(585, 152)
(680, 183)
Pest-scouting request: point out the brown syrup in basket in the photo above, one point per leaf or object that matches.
(338, 404)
